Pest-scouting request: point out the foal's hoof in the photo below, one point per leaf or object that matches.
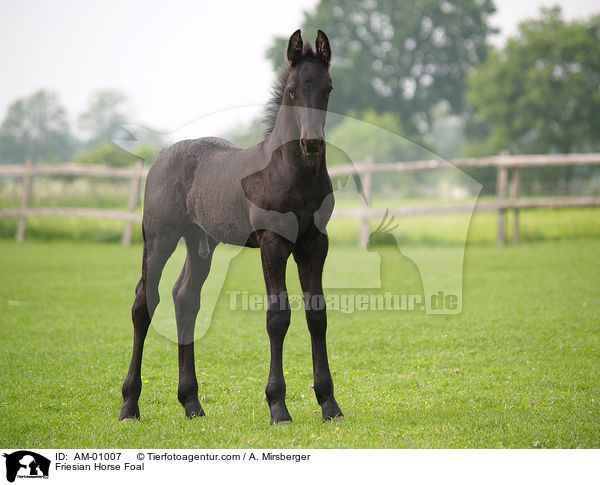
(194, 410)
(284, 423)
(129, 413)
(280, 414)
(199, 414)
(331, 411)
(128, 419)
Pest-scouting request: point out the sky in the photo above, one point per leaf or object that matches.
(177, 61)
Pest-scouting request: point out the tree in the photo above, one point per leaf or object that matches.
(112, 155)
(105, 113)
(382, 144)
(540, 92)
(246, 134)
(403, 57)
(379, 136)
(36, 127)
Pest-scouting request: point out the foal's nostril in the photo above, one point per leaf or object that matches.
(312, 146)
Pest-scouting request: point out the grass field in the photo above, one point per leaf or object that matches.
(536, 225)
(519, 367)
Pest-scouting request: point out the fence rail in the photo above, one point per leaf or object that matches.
(507, 190)
(136, 174)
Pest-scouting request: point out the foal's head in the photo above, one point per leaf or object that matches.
(308, 86)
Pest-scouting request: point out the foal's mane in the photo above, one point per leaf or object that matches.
(272, 107)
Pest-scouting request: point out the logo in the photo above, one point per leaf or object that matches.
(26, 464)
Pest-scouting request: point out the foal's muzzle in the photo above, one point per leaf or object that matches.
(312, 147)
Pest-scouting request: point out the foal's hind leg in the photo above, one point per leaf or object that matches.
(186, 294)
(157, 250)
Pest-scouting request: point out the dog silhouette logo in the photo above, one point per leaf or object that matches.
(26, 464)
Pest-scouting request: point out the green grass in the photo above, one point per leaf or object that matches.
(536, 225)
(449, 229)
(519, 367)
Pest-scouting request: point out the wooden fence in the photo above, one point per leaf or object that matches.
(28, 171)
(507, 190)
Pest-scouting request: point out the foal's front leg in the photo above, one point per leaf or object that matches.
(311, 258)
(275, 251)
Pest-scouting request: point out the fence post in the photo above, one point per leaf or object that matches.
(367, 181)
(501, 185)
(515, 189)
(27, 180)
(134, 196)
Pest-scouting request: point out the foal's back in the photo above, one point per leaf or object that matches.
(198, 182)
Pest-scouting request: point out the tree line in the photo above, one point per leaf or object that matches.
(37, 127)
(424, 70)
(428, 71)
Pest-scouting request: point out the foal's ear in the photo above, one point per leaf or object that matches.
(294, 50)
(323, 49)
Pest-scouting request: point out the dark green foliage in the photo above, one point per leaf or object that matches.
(112, 155)
(403, 57)
(105, 113)
(540, 92)
(246, 135)
(35, 127)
